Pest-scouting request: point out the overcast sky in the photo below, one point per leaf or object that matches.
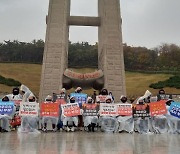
(145, 22)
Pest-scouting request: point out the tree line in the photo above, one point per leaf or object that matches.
(164, 57)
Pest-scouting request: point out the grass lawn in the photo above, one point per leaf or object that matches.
(29, 74)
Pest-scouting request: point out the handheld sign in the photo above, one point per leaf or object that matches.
(90, 109)
(158, 108)
(80, 98)
(6, 107)
(175, 109)
(70, 109)
(140, 110)
(59, 96)
(49, 109)
(101, 98)
(28, 109)
(176, 97)
(108, 109)
(164, 96)
(124, 109)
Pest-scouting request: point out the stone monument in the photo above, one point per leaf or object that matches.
(110, 48)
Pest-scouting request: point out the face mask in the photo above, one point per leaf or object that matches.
(108, 101)
(141, 103)
(72, 101)
(90, 101)
(15, 92)
(124, 100)
(5, 99)
(31, 100)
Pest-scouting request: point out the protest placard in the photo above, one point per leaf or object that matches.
(108, 109)
(164, 96)
(6, 107)
(49, 109)
(175, 109)
(90, 109)
(80, 98)
(101, 98)
(28, 109)
(124, 109)
(141, 110)
(158, 108)
(59, 97)
(70, 109)
(176, 97)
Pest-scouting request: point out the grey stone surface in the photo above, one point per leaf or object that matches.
(110, 51)
(88, 143)
(56, 47)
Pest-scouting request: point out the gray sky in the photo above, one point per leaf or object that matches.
(145, 22)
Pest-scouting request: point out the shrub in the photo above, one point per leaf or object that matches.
(9, 81)
(171, 82)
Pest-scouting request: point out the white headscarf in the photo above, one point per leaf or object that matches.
(26, 94)
(146, 95)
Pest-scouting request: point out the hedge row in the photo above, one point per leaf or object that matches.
(171, 82)
(9, 81)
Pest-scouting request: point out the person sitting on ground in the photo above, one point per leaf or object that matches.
(45, 119)
(108, 123)
(70, 123)
(6, 117)
(15, 94)
(90, 121)
(126, 123)
(29, 123)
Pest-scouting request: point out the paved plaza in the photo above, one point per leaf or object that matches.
(88, 143)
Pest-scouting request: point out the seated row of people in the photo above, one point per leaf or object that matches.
(156, 124)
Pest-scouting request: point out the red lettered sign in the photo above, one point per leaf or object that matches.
(70, 109)
(50, 109)
(158, 108)
(124, 109)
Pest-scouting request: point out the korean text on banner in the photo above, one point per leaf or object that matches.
(80, 98)
(124, 109)
(108, 109)
(6, 108)
(50, 109)
(70, 109)
(175, 109)
(140, 110)
(101, 98)
(90, 109)
(158, 108)
(29, 109)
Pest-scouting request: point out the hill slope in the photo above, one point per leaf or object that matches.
(29, 74)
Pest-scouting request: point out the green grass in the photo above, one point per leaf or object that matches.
(29, 74)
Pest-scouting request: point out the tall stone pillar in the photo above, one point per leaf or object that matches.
(110, 56)
(55, 57)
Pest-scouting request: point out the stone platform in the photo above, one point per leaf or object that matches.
(88, 143)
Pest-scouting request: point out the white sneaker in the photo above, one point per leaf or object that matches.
(68, 129)
(72, 129)
(60, 129)
(44, 129)
(54, 130)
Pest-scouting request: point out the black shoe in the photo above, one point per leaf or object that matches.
(93, 126)
(3, 131)
(89, 128)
